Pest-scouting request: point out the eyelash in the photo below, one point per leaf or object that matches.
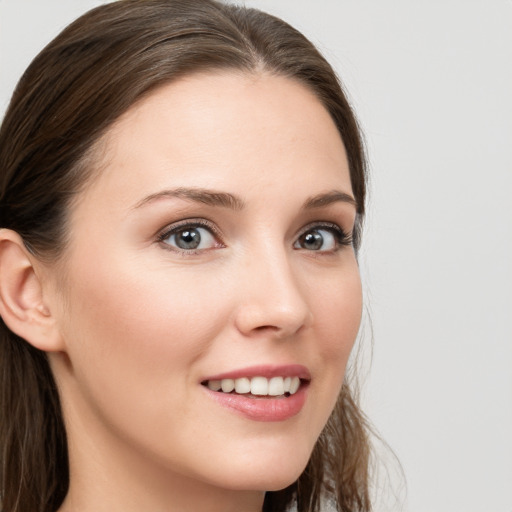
(190, 224)
(342, 238)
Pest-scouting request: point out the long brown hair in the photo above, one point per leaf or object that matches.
(73, 91)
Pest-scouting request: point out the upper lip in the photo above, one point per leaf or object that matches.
(268, 371)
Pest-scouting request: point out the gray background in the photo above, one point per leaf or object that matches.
(431, 82)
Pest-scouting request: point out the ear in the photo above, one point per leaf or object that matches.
(22, 305)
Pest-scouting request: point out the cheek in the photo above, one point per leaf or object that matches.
(338, 309)
(133, 328)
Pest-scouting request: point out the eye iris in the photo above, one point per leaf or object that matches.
(313, 241)
(188, 238)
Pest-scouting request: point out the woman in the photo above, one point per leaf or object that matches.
(183, 186)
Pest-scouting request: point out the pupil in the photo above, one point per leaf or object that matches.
(313, 240)
(188, 239)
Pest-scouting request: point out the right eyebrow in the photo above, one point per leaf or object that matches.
(334, 196)
(199, 195)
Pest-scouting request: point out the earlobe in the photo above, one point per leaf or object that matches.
(22, 305)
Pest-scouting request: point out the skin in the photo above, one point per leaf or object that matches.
(140, 323)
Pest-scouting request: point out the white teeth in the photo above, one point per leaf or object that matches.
(294, 386)
(214, 385)
(243, 385)
(260, 386)
(227, 385)
(276, 386)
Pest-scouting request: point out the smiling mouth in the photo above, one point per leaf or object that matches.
(257, 387)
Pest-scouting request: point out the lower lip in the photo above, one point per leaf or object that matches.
(262, 409)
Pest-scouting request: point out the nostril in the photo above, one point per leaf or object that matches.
(266, 328)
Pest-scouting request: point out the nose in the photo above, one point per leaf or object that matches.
(273, 303)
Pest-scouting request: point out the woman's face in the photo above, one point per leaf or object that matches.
(214, 245)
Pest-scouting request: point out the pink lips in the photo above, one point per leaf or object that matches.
(263, 408)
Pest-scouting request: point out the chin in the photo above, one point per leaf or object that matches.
(266, 473)
(269, 482)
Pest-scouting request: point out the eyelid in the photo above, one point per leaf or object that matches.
(174, 227)
(343, 238)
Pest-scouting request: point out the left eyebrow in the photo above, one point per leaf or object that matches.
(325, 199)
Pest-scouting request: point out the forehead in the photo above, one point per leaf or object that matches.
(212, 128)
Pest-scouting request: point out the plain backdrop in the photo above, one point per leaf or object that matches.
(431, 82)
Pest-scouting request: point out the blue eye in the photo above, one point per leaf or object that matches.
(191, 237)
(322, 239)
